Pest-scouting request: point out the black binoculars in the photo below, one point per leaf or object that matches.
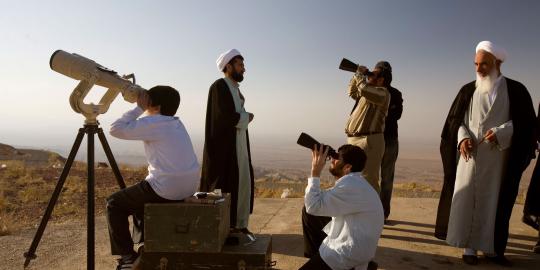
(308, 142)
(348, 65)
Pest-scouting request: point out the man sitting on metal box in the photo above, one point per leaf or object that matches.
(173, 169)
(351, 236)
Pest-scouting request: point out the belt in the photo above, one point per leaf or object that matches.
(361, 134)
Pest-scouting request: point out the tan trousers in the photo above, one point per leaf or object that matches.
(373, 146)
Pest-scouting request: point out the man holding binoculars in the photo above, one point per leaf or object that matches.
(365, 127)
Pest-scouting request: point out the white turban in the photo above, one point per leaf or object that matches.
(495, 50)
(225, 57)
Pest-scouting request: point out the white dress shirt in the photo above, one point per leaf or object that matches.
(357, 220)
(173, 169)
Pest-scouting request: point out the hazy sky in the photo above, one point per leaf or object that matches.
(291, 49)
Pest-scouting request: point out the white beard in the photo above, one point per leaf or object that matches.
(486, 84)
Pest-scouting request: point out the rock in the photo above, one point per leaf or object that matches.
(102, 165)
(285, 193)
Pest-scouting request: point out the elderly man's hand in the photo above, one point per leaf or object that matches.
(318, 160)
(465, 148)
(490, 136)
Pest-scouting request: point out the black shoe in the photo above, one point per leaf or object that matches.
(470, 259)
(126, 264)
(500, 260)
(536, 248)
(249, 234)
(531, 220)
(372, 265)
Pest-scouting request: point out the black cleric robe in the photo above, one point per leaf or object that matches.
(220, 163)
(532, 201)
(521, 152)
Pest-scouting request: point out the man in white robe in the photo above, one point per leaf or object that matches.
(484, 140)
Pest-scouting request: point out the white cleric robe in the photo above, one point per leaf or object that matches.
(478, 180)
(244, 177)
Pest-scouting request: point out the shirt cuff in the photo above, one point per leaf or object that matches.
(314, 181)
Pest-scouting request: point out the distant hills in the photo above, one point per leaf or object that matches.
(30, 157)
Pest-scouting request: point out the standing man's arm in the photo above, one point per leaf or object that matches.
(226, 115)
(358, 87)
(465, 143)
(500, 135)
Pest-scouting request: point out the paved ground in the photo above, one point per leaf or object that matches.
(408, 244)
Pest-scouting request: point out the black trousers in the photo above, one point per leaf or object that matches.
(313, 234)
(315, 263)
(532, 201)
(122, 204)
(388, 167)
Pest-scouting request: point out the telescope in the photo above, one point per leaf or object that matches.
(309, 142)
(90, 73)
(348, 65)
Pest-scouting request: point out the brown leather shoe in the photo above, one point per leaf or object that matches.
(470, 259)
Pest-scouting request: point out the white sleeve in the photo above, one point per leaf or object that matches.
(332, 202)
(504, 134)
(243, 122)
(463, 133)
(128, 127)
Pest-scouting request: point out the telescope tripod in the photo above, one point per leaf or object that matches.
(89, 129)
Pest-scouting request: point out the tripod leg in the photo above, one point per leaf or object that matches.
(30, 254)
(110, 157)
(90, 239)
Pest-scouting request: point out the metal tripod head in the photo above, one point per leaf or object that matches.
(91, 110)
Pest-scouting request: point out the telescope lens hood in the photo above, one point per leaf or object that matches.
(52, 57)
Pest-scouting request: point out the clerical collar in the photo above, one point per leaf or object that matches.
(236, 84)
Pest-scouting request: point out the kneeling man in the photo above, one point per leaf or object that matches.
(355, 207)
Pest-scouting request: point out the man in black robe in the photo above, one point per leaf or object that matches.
(531, 211)
(226, 155)
(521, 151)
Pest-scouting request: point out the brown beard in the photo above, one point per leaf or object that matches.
(337, 170)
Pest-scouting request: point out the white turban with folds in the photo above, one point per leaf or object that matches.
(225, 57)
(495, 50)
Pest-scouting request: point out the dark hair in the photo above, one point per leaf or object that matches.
(354, 156)
(385, 72)
(166, 97)
(232, 62)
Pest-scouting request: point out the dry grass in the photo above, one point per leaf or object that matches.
(7, 224)
(25, 192)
